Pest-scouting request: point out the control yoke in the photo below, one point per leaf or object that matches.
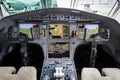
(95, 40)
(24, 52)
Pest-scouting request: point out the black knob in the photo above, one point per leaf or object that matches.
(66, 67)
(67, 77)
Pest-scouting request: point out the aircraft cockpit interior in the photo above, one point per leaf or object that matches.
(60, 43)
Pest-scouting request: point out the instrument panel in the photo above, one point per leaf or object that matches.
(59, 31)
(59, 36)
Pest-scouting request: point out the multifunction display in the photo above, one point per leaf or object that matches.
(59, 50)
(59, 31)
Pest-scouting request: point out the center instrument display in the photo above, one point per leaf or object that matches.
(59, 50)
(58, 31)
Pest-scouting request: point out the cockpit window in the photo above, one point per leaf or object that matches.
(102, 7)
(11, 7)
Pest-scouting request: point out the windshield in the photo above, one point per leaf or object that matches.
(102, 7)
(19, 6)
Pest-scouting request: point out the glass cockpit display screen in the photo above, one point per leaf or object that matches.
(27, 29)
(91, 30)
(58, 31)
(58, 50)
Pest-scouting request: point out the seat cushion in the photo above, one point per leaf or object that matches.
(113, 73)
(27, 73)
(7, 70)
(90, 74)
(9, 77)
(105, 78)
(24, 73)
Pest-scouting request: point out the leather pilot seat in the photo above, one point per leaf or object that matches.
(92, 74)
(113, 73)
(24, 73)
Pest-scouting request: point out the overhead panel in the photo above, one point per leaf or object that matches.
(96, 1)
(104, 1)
(87, 1)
